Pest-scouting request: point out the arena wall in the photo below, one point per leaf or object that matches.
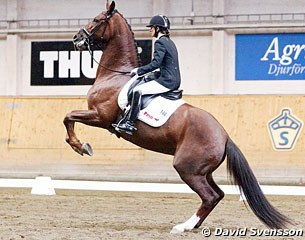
(33, 141)
(31, 130)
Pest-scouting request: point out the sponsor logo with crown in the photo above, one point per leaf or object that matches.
(284, 130)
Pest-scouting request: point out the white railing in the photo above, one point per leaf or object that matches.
(208, 21)
(3, 24)
(265, 18)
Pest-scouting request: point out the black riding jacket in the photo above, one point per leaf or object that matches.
(166, 58)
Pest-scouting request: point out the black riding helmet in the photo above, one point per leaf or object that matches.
(159, 21)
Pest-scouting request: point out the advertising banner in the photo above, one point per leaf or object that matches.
(270, 56)
(58, 63)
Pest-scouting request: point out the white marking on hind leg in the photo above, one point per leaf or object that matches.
(187, 226)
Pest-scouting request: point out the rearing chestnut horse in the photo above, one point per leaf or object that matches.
(197, 141)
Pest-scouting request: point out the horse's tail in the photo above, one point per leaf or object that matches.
(243, 176)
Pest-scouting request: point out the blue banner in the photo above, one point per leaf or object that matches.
(270, 56)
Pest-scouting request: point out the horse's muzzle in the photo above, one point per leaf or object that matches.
(80, 42)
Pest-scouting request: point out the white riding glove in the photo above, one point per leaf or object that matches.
(134, 72)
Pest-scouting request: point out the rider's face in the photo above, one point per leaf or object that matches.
(152, 31)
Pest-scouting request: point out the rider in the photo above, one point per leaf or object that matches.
(165, 59)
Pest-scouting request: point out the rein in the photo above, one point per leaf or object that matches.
(112, 70)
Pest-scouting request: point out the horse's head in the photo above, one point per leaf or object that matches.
(96, 31)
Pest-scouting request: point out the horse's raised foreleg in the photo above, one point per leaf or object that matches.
(88, 117)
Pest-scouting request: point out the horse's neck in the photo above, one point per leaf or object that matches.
(120, 53)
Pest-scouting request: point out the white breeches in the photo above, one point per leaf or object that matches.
(151, 87)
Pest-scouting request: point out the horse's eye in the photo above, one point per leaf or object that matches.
(95, 20)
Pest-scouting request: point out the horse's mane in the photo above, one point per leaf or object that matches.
(135, 42)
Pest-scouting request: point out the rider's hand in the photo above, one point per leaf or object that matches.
(134, 72)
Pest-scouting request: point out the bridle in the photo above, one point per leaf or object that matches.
(89, 35)
(87, 40)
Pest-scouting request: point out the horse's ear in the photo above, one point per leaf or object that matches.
(110, 8)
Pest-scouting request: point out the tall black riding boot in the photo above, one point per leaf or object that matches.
(127, 123)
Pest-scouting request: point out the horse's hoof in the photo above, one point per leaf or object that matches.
(87, 149)
(177, 229)
(78, 150)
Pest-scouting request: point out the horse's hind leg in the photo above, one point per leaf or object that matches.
(220, 194)
(209, 198)
(88, 117)
(197, 173)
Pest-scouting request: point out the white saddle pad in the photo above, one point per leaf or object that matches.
(157, 112)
